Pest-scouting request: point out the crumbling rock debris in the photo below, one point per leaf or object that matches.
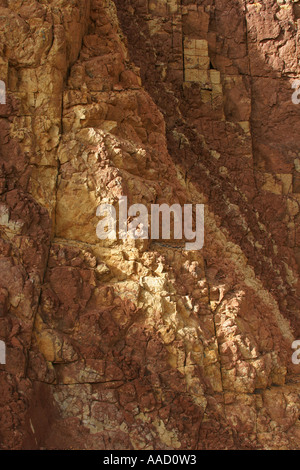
(136, 344)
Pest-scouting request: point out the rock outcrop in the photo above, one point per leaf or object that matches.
(140, 344)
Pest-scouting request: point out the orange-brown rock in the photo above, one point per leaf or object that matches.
(138, 344)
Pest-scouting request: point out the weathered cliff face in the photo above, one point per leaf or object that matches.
(135, 344)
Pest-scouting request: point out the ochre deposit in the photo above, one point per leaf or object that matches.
(140, 344)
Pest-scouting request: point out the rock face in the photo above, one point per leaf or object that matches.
(138, 344)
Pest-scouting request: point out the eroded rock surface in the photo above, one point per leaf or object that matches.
(139, 344)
